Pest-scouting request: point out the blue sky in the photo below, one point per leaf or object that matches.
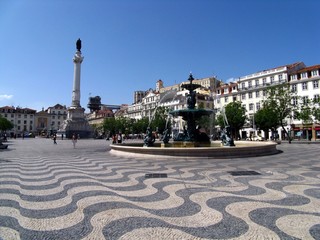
(129, 44)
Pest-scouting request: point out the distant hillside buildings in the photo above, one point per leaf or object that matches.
(214, 94)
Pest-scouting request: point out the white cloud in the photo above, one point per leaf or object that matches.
(5, 97)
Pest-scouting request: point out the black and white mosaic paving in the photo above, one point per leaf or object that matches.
(52, 191)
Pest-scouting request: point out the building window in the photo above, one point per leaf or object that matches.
(314, 73)
(24, 122)
(264, 93)
(293, 77)
(280, 77)
(258, 106)
(304, 86)
(226, 99)
(316, 98)
(257, 83)
(249, 84)
(250, 94)
(19, 121)
(218, 91)
(243, 85)
(271, 79)
(294, 87)
(316, 84)
(264, 81)
(257, 94)
(294, 101)
(243, 96)
(305, 100)
(304, 75)
(251, 107)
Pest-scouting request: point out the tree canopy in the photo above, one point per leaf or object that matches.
(266, 118)
(5, 124)
(236, 117)
(283, 101)
(137, 126)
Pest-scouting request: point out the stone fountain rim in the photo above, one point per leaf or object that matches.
(246, 149)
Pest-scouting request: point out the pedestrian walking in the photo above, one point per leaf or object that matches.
(74, 140)
(119, 138)
(54, 138)
(62, 136)
(114, 139)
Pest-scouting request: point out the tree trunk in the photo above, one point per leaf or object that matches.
(266, 133)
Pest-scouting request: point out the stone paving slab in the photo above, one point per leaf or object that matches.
(52, 191)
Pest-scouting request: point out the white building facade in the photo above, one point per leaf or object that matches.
(23, 120)
(250, 90)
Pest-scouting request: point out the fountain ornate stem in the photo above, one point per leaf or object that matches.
(190, 115)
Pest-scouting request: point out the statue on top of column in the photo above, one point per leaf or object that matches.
(78, 45)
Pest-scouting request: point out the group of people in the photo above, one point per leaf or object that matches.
(74, 139)
(117, 138)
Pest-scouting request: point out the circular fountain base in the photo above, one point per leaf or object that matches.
(215, 150)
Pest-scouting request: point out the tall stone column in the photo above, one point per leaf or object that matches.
(77, 60)
(76, 123)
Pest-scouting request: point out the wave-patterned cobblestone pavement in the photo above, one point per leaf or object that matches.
(52, 191)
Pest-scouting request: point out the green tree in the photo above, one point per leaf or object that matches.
(266, 118)
(305, 115)
(236, 117)
(5, 124)
(220, 121)
(109, 126)
(282, 100)
(140, 125)
(316, 108)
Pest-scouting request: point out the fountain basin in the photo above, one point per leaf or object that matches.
(215, 150)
